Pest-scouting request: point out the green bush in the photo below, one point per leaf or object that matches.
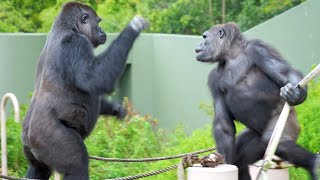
(138, 137)
(17, 163)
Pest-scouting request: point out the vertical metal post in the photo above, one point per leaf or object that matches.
(4, 160)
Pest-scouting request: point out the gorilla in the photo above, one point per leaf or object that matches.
(251, 84)
(69, 83)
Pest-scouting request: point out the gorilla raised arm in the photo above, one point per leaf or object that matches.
(69, 82)
(251, 84)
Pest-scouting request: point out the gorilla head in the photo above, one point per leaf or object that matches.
(217, 42)
(81, 19)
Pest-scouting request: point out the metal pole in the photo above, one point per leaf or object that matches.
(4, 160)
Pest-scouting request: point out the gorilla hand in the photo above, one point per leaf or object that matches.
(138, 23)
(293, 95)
(119, 111)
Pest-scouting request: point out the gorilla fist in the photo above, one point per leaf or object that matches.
(138, 23)
(119, 110)
(293, 95)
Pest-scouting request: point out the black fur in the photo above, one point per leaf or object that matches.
(251, 84)
(69, 84)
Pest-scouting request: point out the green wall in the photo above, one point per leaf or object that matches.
(296, 33)
(162, 77)
(18, 58)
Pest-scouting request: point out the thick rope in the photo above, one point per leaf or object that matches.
(14, 178)
(187, 161)
(152, 173)
(149, 159)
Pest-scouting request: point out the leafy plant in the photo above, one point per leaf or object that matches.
(138, 136)
(167, 16)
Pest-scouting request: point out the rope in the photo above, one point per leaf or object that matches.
(149, 159)
(14, 178)
(152, 173)
(185, 163)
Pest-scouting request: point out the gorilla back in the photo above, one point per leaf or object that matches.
(69, 82)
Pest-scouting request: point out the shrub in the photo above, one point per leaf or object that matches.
(17, 163)
(138, 136)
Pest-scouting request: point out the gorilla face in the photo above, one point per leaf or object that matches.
(88, 23)
(213, 45)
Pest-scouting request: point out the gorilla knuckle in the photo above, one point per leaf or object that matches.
(138, 23)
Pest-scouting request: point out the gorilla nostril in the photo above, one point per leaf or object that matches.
(198, 50)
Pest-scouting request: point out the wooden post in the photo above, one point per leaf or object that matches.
(222, 171)
(223, 11)
(210, 10)
(281, 174)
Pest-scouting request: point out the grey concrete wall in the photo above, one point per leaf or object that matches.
(162, 77)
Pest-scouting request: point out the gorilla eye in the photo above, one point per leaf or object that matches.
(221, 33)
(84, 18)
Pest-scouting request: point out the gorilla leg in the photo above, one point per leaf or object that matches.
(249, 149)
(290, 151)
(36, 169)
(61, 148)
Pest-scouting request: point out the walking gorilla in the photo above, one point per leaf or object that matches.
(68, 87)
(251, 84)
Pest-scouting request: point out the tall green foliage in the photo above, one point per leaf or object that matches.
(166, 16)
(22, 15)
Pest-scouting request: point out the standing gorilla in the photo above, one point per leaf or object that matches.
(68, 87)
(251, 84)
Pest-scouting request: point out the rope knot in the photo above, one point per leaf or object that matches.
(206, 161)
(212, 160)
(189, 160)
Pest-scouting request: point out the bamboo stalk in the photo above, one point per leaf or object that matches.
(277, 132)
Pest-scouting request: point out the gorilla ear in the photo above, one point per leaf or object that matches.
(222, 33)
(84, 18)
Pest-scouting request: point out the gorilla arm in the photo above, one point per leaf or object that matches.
(117, 54)
(112, 108)
(95, 75)
(224, 129)
(270, 63)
